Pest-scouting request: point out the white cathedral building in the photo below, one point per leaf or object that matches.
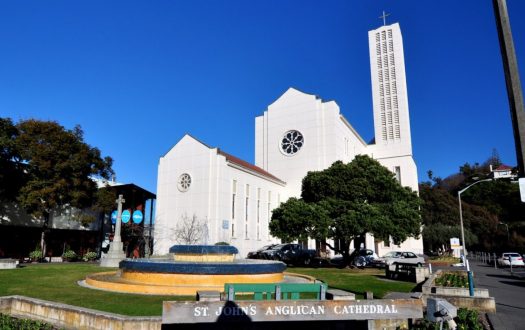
(297, 133)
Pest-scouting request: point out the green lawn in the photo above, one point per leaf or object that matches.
(357, 281)
(58, 282)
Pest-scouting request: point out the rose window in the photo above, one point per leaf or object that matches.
(184, 182)
(291, 142)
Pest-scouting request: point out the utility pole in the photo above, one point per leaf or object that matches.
(512, 79)
(115, 254)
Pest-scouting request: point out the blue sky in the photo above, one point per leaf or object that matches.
(138, 75)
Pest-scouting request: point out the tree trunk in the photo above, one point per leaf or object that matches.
(43, 235)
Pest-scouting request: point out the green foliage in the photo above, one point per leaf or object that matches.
(10, 323)
(468, 319)
(346, 201)
(485, 205)
(90, 256)
(456, 280)
(222, 243)
(59, 166)
(35, 255)
(298, 220)
(69, 255)
(11, 171)
(105, 199)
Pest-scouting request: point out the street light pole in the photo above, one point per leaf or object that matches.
(461, 214)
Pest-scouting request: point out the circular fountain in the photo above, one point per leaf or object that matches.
(190, 268)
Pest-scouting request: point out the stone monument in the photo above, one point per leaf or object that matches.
(115, 254)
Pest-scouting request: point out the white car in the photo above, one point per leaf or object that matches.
(505, 260)
(403, 257)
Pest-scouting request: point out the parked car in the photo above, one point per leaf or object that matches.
(364, 258)
(405, 257)
(258, 254)
(290, 253)
(505, 260)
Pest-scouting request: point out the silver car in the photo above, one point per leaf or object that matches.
(403, 257)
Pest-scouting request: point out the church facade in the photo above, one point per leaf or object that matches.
(232, 200)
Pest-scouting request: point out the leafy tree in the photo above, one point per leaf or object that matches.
(11, 170)
(58, 167)
(346, 201)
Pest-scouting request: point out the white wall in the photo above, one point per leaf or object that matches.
(210, 196)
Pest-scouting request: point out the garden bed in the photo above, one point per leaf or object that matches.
(458, 296)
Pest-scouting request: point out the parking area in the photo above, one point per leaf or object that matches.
(508, 288)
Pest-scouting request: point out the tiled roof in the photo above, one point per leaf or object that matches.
(503, 167)
(245, 164)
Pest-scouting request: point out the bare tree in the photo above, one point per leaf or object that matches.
(190, 231)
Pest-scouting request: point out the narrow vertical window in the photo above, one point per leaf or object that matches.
(269, 206)
(247, 200)
(397, 172)
(234, 193)
(258, 213)
(258, 205)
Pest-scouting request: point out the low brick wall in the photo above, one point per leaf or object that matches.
(407, 271)
(486, 305)
(72, 317)
(8, 263)
(459, 297)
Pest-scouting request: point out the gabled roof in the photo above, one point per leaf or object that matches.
(503, 167)
(295, 91)
(190, 136)
(234, 160)
(248, 166)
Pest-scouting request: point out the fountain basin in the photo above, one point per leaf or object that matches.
(203, 253)
(192, 272)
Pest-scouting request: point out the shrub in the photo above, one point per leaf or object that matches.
(452, 280)
(69, 255)
(7, 323)
(35, 255)
(222, 243)
(467, 319)
(90, 256)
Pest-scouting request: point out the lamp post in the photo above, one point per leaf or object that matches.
(461, 214)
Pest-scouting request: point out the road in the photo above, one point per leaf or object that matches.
(508, 290)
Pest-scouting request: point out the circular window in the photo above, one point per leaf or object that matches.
(184, 182)
(291, 142)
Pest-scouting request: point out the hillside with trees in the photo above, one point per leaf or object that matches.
(489, 208)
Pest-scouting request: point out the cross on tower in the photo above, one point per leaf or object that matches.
(384, 17)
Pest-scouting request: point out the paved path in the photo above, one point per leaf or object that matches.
(508, 290)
